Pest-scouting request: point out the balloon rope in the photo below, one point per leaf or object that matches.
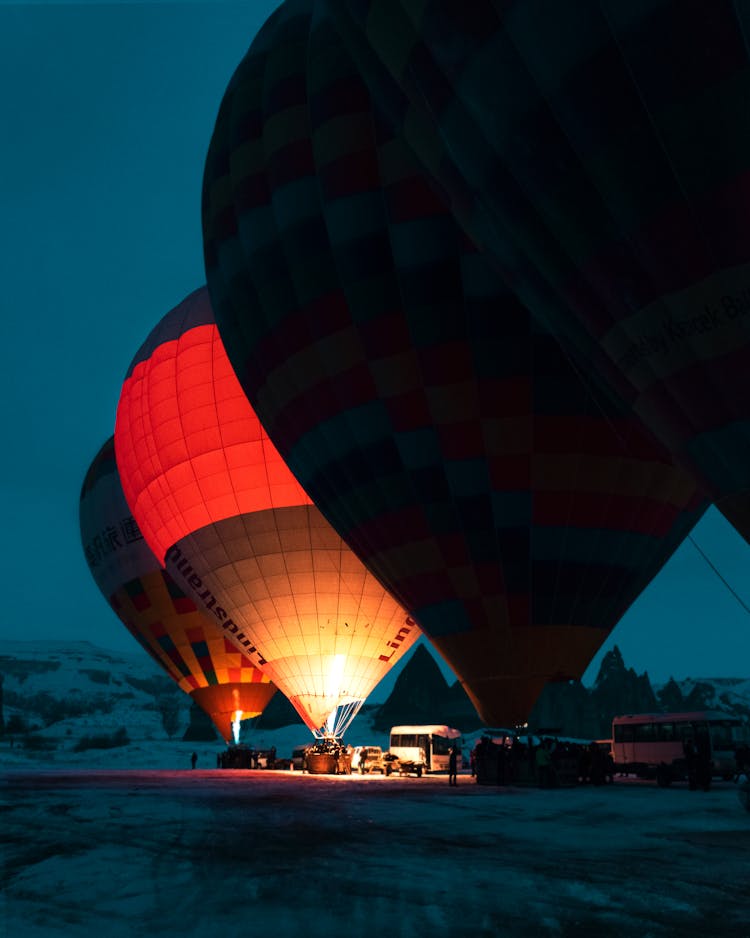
(339, 720)
(739, 599)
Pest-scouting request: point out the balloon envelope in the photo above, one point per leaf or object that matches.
(597, 151)
(220, 507)
(514, 510)
(157, 613)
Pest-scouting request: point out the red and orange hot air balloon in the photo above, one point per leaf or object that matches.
(219, 506)
(514, 511)
(157, 613)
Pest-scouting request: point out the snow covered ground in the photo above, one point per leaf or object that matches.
(100, 843)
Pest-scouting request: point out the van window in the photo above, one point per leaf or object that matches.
(441, 745)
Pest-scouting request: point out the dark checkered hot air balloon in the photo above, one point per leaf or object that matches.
(515, 511)
(599, 152)
(236, 530)
(157, 613)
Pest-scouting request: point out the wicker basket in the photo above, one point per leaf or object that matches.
(321, 763)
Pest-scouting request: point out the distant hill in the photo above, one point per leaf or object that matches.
(63, 692)
(422, 695)
(570, 709)
(60, 694)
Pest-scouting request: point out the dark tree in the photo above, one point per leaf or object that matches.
(201, 727)
(619, 690)
(168, 706)
(670, 697)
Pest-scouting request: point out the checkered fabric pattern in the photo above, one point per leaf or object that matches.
(158, 614)
(512, 507)
(598, 152)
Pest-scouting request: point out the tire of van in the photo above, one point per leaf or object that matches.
(419, 771)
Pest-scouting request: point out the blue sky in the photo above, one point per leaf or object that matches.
(106, 114)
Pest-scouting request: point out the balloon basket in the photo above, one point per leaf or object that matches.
(322, 763)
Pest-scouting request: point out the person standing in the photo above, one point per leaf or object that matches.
(703, 764)
(193, 760)
(691, 759)
(543, 760)
(453, 766)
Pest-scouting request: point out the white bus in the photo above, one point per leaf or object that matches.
(428, 747)
(651, 745)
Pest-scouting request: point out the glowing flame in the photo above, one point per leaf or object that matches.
(335, 674)
(236, 726)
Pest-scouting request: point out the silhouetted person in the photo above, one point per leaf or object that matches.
(596, 764)
(691, 763)
(193, 760)
(741, 760)
(479, 759)
(543, 759)
(453, 766)
(703, 763)
(501, 757)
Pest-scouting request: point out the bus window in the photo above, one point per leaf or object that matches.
(404, 739)
(702, 731)
(684, 731)
(666, 733)
(644, 732)
(623, 733)
(722, 735)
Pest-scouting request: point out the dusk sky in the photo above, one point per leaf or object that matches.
(106, 114)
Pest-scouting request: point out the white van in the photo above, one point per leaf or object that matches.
(426, 747)
(373, 761)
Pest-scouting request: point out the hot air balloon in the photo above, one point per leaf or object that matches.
(515, 511)
(234, 527)
(157, 613)
(598, 152)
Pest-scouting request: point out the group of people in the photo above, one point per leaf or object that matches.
(334, 752)
(240, 757)
(698, 763)
(741, 761)
(548, 763)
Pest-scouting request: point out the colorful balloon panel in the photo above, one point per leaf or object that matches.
(597, 153)
(238, 532)
(159, 615)
(188, 455)
(514, 509)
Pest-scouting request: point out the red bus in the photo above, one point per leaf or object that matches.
(651, 745)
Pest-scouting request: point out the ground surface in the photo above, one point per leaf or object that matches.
(138, 853)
